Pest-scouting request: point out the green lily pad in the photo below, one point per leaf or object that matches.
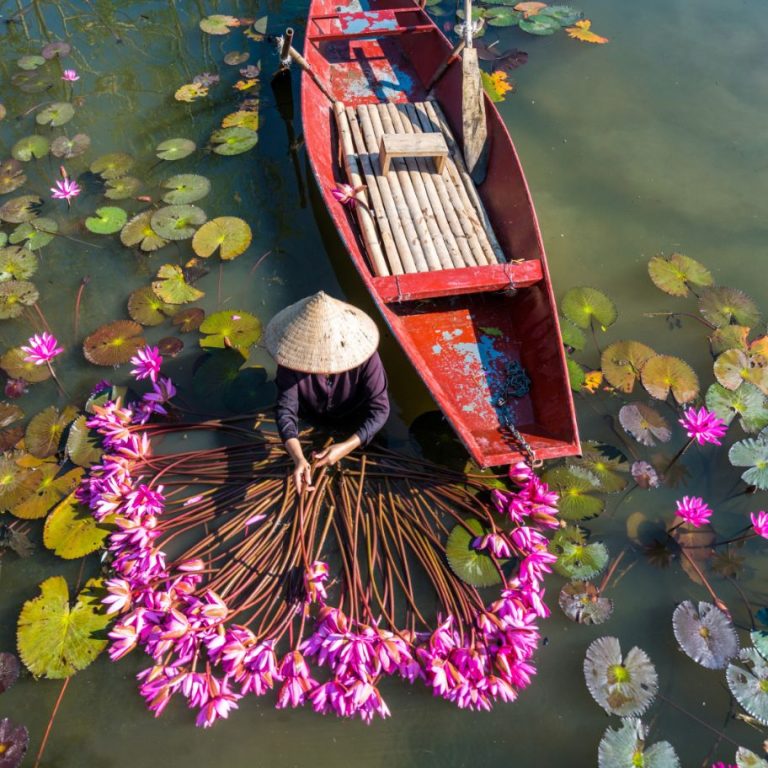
(583, 305)
(575, 486)
(55, 640)
(17, 263)
(664, 374)
(55, 114)
(581, 602)
(37, 233)
(175, 149)
(622, 361)
(113, 165)
(735, 366)
(56, 48)
(17, 210)
(747, 759)
(185, 188)
(576, 374)
(228, 234)
(30, 147)
(146, 308)
(114, 343)
(14, 296)
(190, 92)
(503, 16)
(138, 231)
(233, 141)
(49, 488)
(14, 364)
(71, 531)
(172, 288)
(723, 306)
(473, 567)
(30, 62)
(564, 15)
(674, 274)
(16, 484)
(122, 188)
(12, 176)
(67, 148)
(644, 423)
(177, 222)
(748, 680)
(45, 430)
(573, 337)
(189, 319)
(759, 639)
(235, 58)
(753, 454)
(747, 402)
(626, 748)
(34, 81)
(218, 24)
(83, 446)
(729, 337)
(540, 25)
(606, 464)
(240, 330)
(576, 559)
(108, 220)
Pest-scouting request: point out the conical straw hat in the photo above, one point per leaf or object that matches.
(321, 334)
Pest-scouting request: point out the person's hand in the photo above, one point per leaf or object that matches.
(302, 475)
(335, 452)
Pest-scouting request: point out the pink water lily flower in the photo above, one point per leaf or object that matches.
(65, 189)
(703, 426)
(760, 523)
(693, 510)
(147, 361)
(41, 349)
(345, 194)
(70, 75)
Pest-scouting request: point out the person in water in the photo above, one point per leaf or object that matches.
(328, 372)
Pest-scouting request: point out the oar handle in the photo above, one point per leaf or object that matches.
(468, 23)
(287, 43)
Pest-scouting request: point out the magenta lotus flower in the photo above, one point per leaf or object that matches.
(703, 426)
(41, 349)
(693, 510)
(65, 189)
(345, 194)
(70, 75)
(495, 543)
(147, 361)
(314, 582)
(760, 523)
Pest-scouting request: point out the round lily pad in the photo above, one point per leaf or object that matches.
(573, 337)
(30, 147)
(172, 288)
(627, 747)
(575, 486)
(605, 463)
(577, 376)
(113, 165)
(230, 329)
(190, 92)
(17, 263)
(14, 296)
(14, 364)
(12, 176)
(36, 233)
(146, 308)
(502, 16)
(644, 423)
(9, 671)
(753, 454)
(83, 447)
(748, 680)
(67, 148)
(16, 483)
(188, 320)
(71, 531)
(229, 234)
(45, 430)
(241, 119)
(581, 602)
(233, 141)
(108, 220)
(114, 343)
(56, 114)
(177, 222)
(583, 305)
(575, 558)
(20, 209)
(729, 337)
(218, 24)
(138, 231)
(540, 25)
(705, 633)
(185, 188)
(56, 48)
(747, 402)
(122, 188)
(470, 565)
(14, 739)
(745, 758)
(235, 58)
(170, 346)
(759, 639)
(32, 82)
(55, 638)
(30, 62)
(664, 374)
(622, 361)
(723, 306)
(565, 15)
(49, 489)
(175, 149)
(673, 274)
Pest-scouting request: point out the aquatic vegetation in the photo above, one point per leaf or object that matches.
(705, 633)
(582, 31)
(760, 523)
(41, 349)
(113, 343)
(148, 361)
(676, 274)
(14, 740)
(583, 306)
(644, 423)
(582, 602)
(497, 84)
(693, 510)
(703, 426)
(230, 235)
(626, 748)
(748, 680)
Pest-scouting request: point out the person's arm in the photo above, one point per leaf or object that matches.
(288, 426)
(302, 472)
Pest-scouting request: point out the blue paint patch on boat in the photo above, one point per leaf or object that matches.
(367, 22)
(437, 349)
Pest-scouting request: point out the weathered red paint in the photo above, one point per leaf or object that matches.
(459, 327)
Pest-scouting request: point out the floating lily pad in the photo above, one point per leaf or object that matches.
(575, 486)
(17, 263)
(564, 15)
(573, 337)
(112, 166)
(175, 149)
(55, 114)
(190, 92)
(14, 364)
(583, 305)
(122, 188)
(107, 220)
(71, 531)
(735, 366)
(9, 672)
(228, 234)
(45, 430)
(759, 639)
(56, 48)
(753, 454)
(748, 402)
(626, 748)
(12, 176)
(706, 634)
(14, 296)
(470, 565)
(620, 686)
(576, 559)
(729, 337)
(146, 308)
(114, 343)
(241, 119)
(32, 82)
(138, 231)
(14, 739)
(675, 273)
(218, 24)
(177, 222)
(30, 147)
(723, 306)
(37, 233)
(644, 423)
(30, 62)
(173, 288)
(622, 361)
(501, 16)
(185, 188)
(188, 319)
(170, 346)
(240, 330)
(577, 376)
(9, 414)
(748, 680)
(581, 602)
(663, 374)
(83, 446)
(747, 759)
(55, 640)
(233, 141)
(235, 58)
(16, 484)
(17, 210)
(66, 148)
(605, 463)
(49, 489)
(540, 25)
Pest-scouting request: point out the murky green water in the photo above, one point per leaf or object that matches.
(654, 142)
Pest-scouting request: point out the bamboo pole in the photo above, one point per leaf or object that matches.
(403, 213)
(363, 213)
(381, 184)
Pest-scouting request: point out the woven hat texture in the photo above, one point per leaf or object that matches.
(320, 334)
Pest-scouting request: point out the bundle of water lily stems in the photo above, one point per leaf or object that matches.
(234, 585)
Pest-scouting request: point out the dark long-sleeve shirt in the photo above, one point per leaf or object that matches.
(356, 399)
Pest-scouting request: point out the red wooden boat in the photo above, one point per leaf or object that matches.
(469, 330)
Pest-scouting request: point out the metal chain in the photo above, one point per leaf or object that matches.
(517, 385)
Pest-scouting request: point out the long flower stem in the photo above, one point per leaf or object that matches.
(50, 722)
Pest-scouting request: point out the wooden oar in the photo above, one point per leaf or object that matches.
(475, 133)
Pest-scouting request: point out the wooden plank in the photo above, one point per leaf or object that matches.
(412, 145)
(457, 282)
